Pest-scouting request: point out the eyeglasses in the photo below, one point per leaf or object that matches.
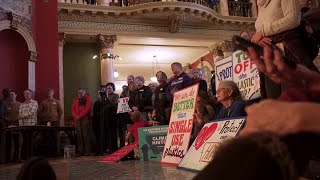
(220, 89)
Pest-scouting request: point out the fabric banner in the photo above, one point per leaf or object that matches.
(116, 156)
(240, 69)
(180, 125)
(201, 153)
(151, 142)
(123, 105)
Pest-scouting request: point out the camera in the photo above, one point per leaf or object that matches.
(103, 90)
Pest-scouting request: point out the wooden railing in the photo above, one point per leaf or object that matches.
(122, 3)
(240, 8)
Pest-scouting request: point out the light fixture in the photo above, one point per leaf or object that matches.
(120, 58)
(155, 68)
(116, 74)
(94, 57)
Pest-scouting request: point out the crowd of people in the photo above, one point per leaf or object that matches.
(153, 102)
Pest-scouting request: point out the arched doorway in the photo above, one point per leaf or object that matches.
(11, 37)
(14, 61)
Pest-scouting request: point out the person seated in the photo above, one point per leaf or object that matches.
(200, 117)
(36, 168)
(132, 135)
(155, 118)
(262, 156)
(203, 98)
(229, 95)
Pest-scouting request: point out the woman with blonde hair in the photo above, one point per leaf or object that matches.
(229, 95)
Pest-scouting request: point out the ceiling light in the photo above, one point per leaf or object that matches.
(120, 58)
(154, 79)
(116, 74)
(94, 57)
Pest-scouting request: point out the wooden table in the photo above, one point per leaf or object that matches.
(29, 133)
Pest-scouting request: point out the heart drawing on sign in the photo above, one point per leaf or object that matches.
(205, 134)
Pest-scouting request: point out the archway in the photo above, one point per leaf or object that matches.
(14, 61)
(32, 53)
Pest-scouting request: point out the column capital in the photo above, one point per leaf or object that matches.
(106, 41)
(227, 46)
(33, 56)
(15, 20)
(62, 39)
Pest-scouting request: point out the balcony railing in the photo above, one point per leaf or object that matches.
(237, 8)
(122, 3)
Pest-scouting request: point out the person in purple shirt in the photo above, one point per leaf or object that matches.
(179, 81)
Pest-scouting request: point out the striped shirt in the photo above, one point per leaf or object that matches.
(28, 113)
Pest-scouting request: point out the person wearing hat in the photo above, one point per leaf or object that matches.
(141, 101)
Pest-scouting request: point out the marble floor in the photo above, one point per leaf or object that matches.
(87, 168)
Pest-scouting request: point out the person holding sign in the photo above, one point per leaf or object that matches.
(229, 95)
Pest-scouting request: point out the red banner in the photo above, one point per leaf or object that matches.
(116, 156)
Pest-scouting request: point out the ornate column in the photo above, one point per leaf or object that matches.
(32, 70)
(223, 8)
(62, 37)
(106, 46)
(227, 48)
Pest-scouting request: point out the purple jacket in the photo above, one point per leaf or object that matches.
(177, 82)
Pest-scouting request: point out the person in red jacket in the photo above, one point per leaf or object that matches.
(81, 107)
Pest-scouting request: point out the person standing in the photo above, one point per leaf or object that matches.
(28, 110)
(161, 102)
(50, 110)
(49, 114)
(81, 107)
(141, 100)
(179, 81)
(11, 116)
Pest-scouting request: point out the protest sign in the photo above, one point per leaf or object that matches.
(151, 142)
(123, 105)
(240, 69)
(180, 125)
(116, 156)
(201, 153)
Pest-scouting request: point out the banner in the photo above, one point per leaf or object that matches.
(120, 153)
(201, 153)
(180, 125)
(240, 69)
(123, 105)
(151, 142)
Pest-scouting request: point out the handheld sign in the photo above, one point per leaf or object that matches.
(202, 151)
(123, 105)
(180, 125)
(116, 156)
(240, 69)
(151, 142)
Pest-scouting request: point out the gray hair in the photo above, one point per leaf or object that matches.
(232, 86)
(140, 78)
(199, 71)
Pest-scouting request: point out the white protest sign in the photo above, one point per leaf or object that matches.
(123, 105)
(202, 151)
(180, 126)
(240, 69)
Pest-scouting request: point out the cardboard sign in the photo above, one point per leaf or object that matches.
(116, 156)
(123, 105)
(240, 69)
(151, 142)
(201, 153)
(180, 125)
